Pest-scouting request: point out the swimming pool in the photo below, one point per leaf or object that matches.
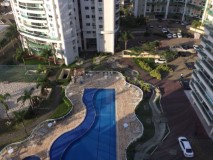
(97, 139)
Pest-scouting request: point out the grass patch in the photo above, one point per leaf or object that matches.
(144, 114)
(62, 109)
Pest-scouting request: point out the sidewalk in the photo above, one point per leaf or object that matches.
(143, 150)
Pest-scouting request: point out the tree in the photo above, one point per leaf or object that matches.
(20, 53)
(46, 53)
(3, 101)
(145, 86)
(195, 24)
(28, 95)
(19, 117)
(43, 83)
(125, 36)
(12, 33)
(41, 69)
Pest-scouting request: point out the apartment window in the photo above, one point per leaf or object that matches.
(93, 16)
(50, 16)
(99, 0)
(93, 7)
(86, 8)
(99, 9)
(88, 32)
(87, 24)
(87, 16)
(100, 18)
(70, 14)
(100, 26)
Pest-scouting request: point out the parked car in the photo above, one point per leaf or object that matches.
(179, 35)
(174, 35)
(164, 30)
(196, 47)
(169, 35)
(190, 65)
(185, 147)
(160, 60)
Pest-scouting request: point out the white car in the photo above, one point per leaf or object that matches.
(164, 30)
(179, 35)
(174, 35)
(169, 35)
(160, 60)
(196, 47)
(185, 147)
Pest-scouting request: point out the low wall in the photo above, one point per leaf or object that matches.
(141, 55)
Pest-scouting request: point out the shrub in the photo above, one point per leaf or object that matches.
(155, 73)
(145, 66)
(146, 34)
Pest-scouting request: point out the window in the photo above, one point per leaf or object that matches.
(93, 16)
(88, 32)
(100, 18)
(87, 24)
(100, 26)
(86, 8)
(93, 7)
(87, 16)
(99, 0)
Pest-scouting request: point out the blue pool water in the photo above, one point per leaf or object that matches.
(31, 158)
(95, 138)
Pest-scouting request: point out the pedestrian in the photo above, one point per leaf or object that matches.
(181, 75)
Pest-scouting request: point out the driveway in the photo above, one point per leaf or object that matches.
(182, 121)
(181, 116)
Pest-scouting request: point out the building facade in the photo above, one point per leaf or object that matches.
(173, 9)
(202, 77)
(67, 26)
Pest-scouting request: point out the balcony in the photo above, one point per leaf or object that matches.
(37, 45)
(31, 8)
(205, 80)
(205, 112)
(38, 36)
(34, 19)
(208, 67)
(204, 95)
(210, 12)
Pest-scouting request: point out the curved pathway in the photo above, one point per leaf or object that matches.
(160, 128)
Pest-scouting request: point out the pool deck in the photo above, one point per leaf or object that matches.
(127, 97)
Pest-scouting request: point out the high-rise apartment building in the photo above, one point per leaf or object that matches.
(67, 26)
(177, 9)
(202, 77)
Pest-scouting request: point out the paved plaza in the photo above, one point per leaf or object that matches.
(127, 97)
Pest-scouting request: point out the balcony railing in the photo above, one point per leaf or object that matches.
(34, 18)
(31, 8)
(208, 115)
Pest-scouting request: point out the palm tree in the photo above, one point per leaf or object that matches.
(12, 33)
(145, 86)
(43, 83)
(2, 44)
(20, 53)
(196, 24)
(46, 53)
(125, 36)
(19, 117)
(28, 95)
(3, 101)
(41, 69)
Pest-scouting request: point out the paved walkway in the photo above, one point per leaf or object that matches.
(142, 150)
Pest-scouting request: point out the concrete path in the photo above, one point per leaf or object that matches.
(142, 150)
